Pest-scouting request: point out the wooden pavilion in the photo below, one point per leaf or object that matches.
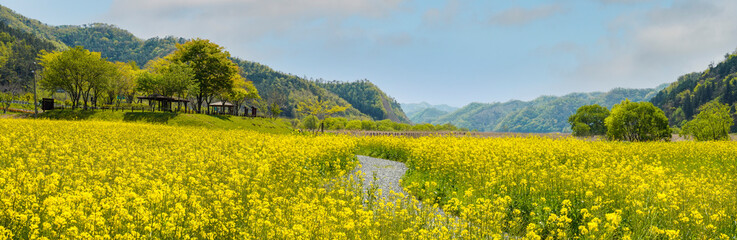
(164, 101)
(223, 107)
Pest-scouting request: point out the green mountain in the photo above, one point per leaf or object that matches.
(368, 98)
(681, 100)
(427, 115)
(288, 90)
(117, 44)
(18, 51)
(414, 108)
(542, 115)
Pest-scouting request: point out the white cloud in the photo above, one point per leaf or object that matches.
(240, 18)
(649, 48)
(444, 16)
(522, 16)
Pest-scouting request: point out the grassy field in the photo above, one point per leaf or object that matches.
(267, 125)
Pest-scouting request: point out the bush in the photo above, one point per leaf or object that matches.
(353, 125)
(368, 125)
(712, 123)
(637, 121)
(310, 122)
(589, 120)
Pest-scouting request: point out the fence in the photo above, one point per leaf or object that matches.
(416, 134)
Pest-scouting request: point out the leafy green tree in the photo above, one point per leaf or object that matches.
(122, 84)
(712, 123)
(78, 71)
(368, 125)
(242, 92)
(310, 122)
(274, 110)
(167, 78)
(319, 108)
(212, 68)
(589, 120)
(637, 121)
(353, 125)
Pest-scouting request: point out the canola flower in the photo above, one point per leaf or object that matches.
(544, 188)
(106, 180)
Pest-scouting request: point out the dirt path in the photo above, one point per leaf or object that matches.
(387, 174)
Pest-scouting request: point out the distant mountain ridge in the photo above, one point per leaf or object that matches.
(117, 44)
(542, 115)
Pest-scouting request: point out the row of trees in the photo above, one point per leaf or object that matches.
(199, 70)
(642, 121)
(340, 123)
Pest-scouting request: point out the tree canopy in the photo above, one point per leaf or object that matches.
(712, 123)
(77, 71)
(212, 69)
(589, 120)
(637, 121)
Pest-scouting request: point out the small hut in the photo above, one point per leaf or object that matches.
(222, 107)
(164, 101)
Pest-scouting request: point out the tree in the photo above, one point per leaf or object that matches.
(166, 78)
(274, 110)
(123, 83)
(242, 91)
(213, 71)
(589, 120)
(310, 122)
(77, 71)
(319, 108)
(637, 121)
(712, 123)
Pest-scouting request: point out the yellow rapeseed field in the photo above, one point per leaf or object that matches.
(542, 188)
(106, 180)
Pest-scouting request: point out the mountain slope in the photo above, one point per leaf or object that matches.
(413, 108)
(427, 115)
(681, 100)
(544, 114)
(368, 98)
(288, 90)
(117, 44)
(18, 52)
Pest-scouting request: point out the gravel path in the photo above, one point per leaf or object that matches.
(387, 174)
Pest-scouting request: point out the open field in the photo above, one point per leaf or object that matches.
(68, 179)
(175, 119)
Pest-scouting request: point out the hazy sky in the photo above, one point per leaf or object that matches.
(440, 51)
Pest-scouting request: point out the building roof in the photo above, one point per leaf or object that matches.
(159, 97)
(221, 104)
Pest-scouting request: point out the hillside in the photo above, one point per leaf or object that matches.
(117, 44)
(542, 115)
(368, 98)
(414, 108)
(18, 51)
(427, 115)
(681, 100)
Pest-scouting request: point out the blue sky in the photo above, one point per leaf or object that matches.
(440, 51)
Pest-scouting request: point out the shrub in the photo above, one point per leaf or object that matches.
(712, 123)
(637, 121)
(589, 120)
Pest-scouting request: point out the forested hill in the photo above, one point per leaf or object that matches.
(542, 115)
(117, 44)
(287, 90)
(681, 100)
(18, 51)
(368, 98)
